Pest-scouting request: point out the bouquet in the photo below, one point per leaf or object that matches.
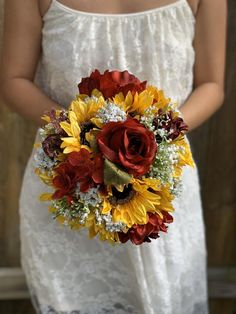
(113, 160)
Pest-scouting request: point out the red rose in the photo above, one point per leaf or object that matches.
(111, 83)
(78, 168)
(142, 233)
(129, 144)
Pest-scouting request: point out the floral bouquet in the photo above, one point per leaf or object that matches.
(113, 160)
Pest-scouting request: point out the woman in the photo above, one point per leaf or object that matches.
(178, 46)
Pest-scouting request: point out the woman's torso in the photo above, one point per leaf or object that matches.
(156, 45)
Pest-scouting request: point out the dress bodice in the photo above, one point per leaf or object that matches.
(155, 45)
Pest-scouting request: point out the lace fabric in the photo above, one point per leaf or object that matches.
(66, 271)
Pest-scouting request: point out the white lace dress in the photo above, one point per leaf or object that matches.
(65, 270)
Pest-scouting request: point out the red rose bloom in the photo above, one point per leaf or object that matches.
(142, 233)
(111, 83)
(129, 144)
(78, 168)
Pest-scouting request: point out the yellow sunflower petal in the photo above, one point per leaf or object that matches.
(98, 122)
(52, 209)
(96, 93)
(46, 118)
(66, 127)
(45, 197)
(70, 149)
(69, 141)
(75, 129)
(106, 207)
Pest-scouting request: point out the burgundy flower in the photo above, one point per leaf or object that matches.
(111, 83)
(129, 144)
(138, 234)
(56, 120)
(175, 126)
(51, 145)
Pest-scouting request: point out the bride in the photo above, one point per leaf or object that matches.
(177, 45)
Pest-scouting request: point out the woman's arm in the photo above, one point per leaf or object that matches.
(209, 44)
(20, 53)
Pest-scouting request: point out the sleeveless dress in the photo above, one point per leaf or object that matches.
(66, 271)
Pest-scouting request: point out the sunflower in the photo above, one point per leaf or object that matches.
(137, 198)
(124, 103)
(45, 176)
(140, 102)
(160, 101)
(82, 118)
(100, 229)
(137, 103)
(72, 142)
(86, 108)
(185, 156)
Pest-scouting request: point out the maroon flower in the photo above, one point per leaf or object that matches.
(111, 83)
(57, 119)
(144, 233)
(51, 145)
(175, 126)
(129, 144)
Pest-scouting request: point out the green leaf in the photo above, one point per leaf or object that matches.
(113, 175)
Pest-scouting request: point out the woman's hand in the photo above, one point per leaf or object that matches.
(209, 44)
(20, 54)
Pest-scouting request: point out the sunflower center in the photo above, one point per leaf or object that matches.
(122, 197)
(85, 127)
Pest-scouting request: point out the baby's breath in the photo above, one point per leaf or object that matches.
(42, 161)
(91, 197)
(148, 117)
(111, 113)
(71, 212)
(176, 187)
(109, 225)
(163, 165)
